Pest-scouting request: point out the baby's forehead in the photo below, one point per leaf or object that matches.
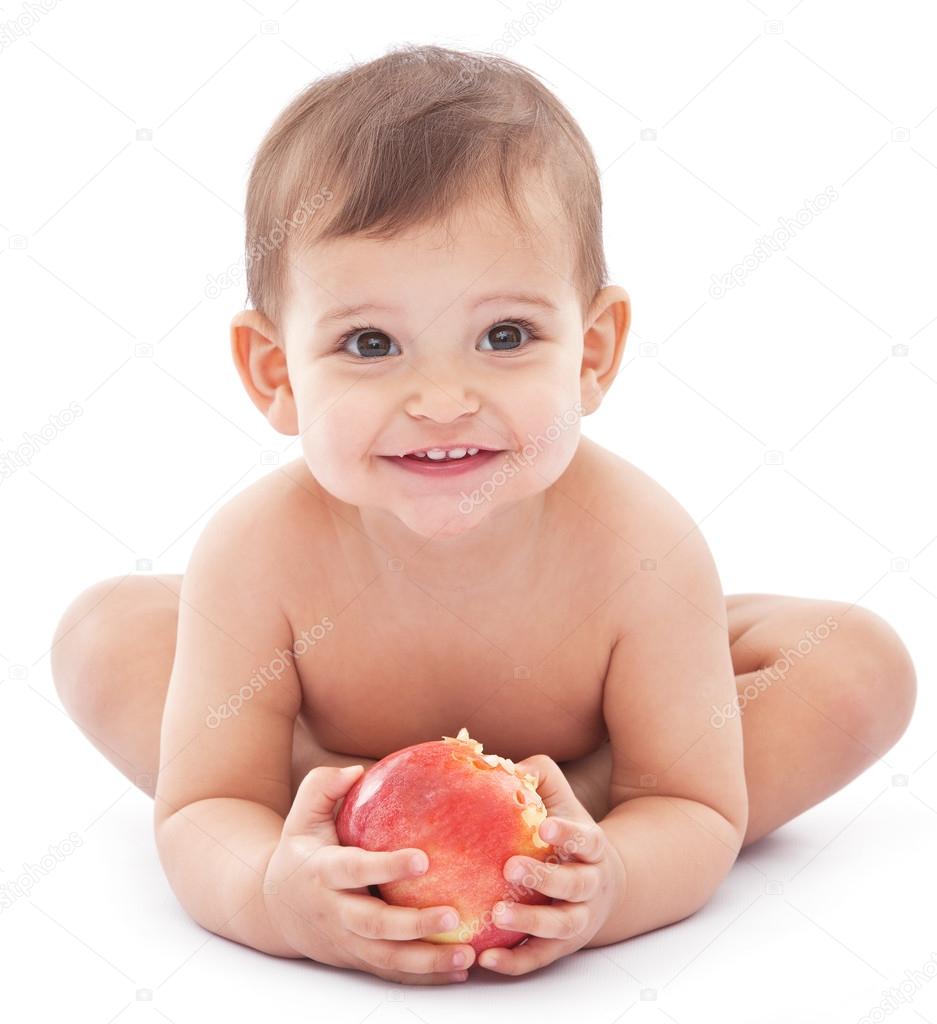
(478, 248)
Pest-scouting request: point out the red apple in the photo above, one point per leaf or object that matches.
(469, 812)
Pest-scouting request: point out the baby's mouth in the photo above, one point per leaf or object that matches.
(433, 455)
(443, 460)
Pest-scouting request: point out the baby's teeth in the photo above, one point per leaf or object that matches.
(436, 453)
(473, 451)
(456, 453)
(420, 455)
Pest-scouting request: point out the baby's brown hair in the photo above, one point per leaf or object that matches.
(401, 141)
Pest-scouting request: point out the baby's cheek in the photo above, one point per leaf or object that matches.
(331, 464)
(550, 438)
(330, 431)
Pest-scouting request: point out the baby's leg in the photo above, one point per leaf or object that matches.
(112, 656)
(813, 718)
(825, 689)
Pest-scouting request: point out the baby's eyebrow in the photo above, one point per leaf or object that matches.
(526, 298)
(344, 312)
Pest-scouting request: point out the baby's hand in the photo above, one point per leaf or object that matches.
(316, 895)
(585, 887)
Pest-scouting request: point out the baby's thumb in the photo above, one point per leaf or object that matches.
(315, 800)
(557, 794)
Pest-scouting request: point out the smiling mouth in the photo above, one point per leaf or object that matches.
(436, 460)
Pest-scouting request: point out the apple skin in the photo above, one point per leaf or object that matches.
(469, 812)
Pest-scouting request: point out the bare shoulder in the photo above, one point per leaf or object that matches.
(261, 530)
(673, 572)
(290, 488)
(628, 500)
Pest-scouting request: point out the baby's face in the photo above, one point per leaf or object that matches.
(449, 348)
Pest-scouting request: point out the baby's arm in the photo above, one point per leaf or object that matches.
(678, 801)
(223, 788)
(245, 859)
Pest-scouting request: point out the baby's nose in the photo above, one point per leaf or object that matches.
(442, 400)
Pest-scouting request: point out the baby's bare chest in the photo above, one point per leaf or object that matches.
(522, 670)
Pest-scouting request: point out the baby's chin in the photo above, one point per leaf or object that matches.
(441, 518)
(427, 516)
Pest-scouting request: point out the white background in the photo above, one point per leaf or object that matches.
(794, 417)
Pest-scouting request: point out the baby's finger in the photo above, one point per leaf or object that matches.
(313, 808)
(573, 881)
(551, 921)
(414, 957)
(374, 919)
(350, 867)
(585, 840)
(553, 786)
(534, 953)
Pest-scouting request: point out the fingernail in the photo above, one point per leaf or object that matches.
(504, 915)
(548, 830)
(514, 873)
(459, 960)
(448, 921)
(418, 864)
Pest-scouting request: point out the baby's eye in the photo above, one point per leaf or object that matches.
(367, 343)
(503, 336)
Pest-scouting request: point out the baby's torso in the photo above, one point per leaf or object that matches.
(395, 668)
(385, 661)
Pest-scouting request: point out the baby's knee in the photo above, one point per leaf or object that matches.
(877, 684)
(91, 641)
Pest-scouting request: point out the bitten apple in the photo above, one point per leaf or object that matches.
(469, 812)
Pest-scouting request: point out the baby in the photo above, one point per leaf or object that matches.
(430, 317)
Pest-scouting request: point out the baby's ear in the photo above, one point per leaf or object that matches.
(603, 343)
(260, 358)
